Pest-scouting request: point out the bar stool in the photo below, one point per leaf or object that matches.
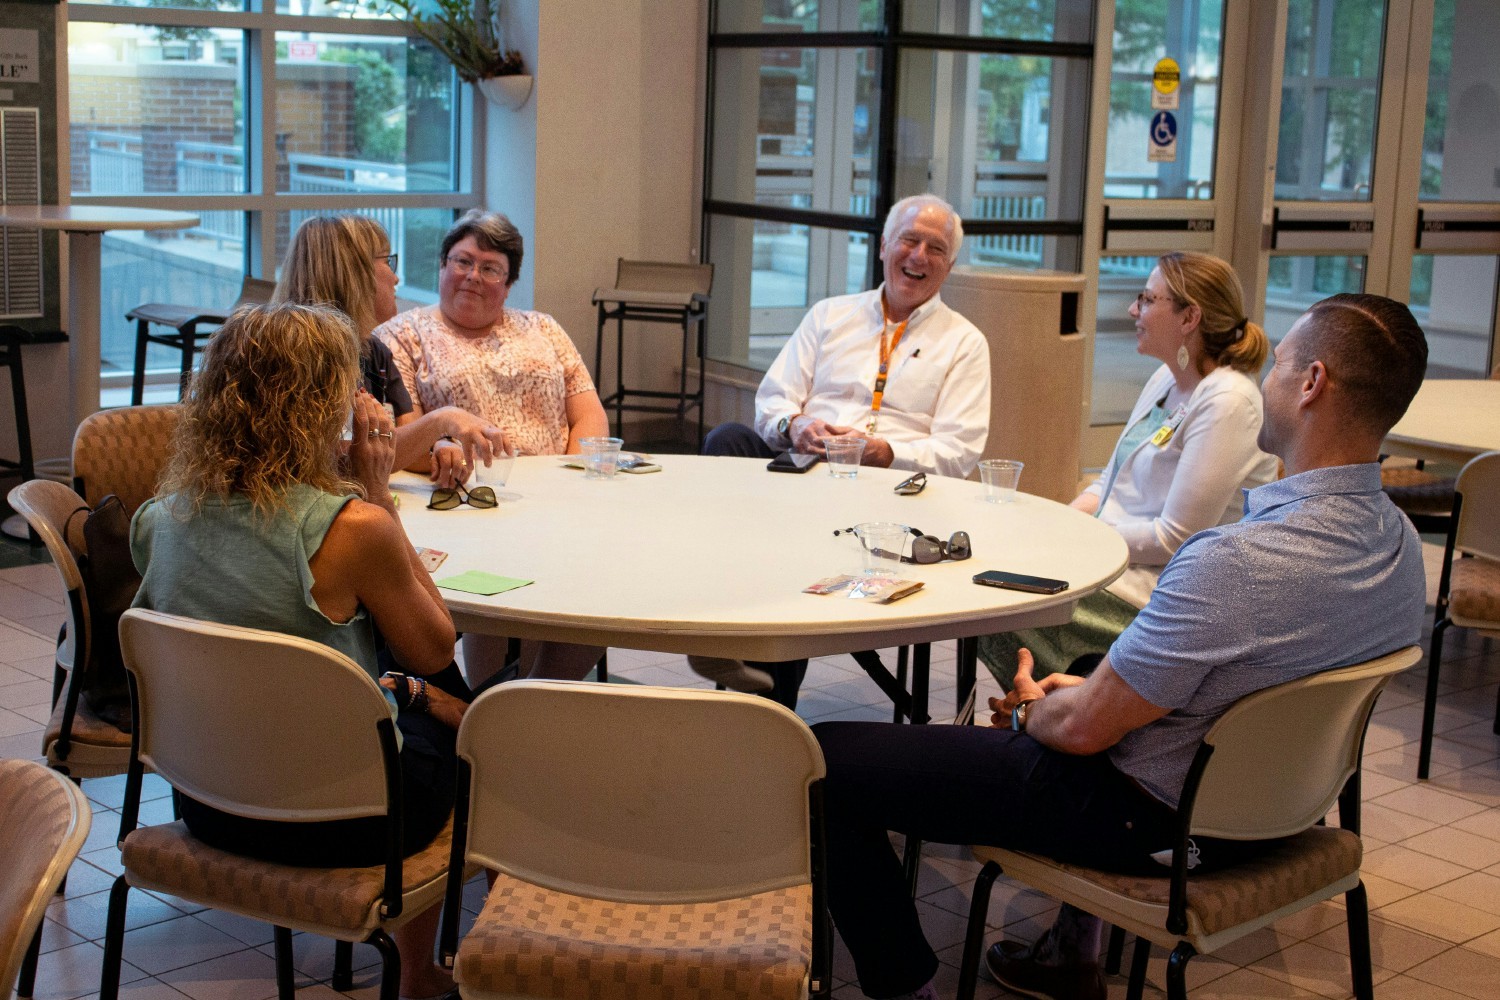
(184, 320)
(11, 339)
(655, 292)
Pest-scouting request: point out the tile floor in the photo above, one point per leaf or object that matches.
(1432, 852)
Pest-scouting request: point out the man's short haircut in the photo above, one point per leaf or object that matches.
(1374, 351)
(915, 203)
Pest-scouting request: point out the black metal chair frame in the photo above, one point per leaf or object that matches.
(184, 321)
(687, 310)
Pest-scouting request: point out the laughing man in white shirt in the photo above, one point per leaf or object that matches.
(893, 366)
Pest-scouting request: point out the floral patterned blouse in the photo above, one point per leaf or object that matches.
(518, 377)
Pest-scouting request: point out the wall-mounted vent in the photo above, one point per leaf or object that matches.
(20, 184)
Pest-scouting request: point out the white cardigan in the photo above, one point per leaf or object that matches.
(1162, 495)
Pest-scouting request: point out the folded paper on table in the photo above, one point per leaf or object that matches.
(881, 589)
(479, 582)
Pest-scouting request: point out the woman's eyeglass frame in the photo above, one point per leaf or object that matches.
(490, 274)
(1145, 299)
(391, 260)
(446, 498)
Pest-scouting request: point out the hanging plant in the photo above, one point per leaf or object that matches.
(467, 32)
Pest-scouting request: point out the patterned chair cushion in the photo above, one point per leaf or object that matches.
(1294, 869)
(533, 942)
(1474, 590)
(170, 859)
(96, 747)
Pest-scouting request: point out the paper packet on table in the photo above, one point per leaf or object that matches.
(881, 589)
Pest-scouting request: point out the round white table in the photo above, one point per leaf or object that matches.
(1449, 420)
(710, 556)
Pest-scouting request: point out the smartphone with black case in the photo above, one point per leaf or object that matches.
(1019, 581)
(793, 461)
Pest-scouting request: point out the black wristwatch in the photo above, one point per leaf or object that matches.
(1018, 715)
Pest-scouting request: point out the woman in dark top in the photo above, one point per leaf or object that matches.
(345, 261)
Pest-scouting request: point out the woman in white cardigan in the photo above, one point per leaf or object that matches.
(1188, 449)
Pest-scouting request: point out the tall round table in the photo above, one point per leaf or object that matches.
(710, 556)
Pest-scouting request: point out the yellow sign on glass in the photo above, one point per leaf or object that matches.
(1165, 78)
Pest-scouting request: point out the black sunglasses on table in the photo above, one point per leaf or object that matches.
(927, 549)
(447, 499)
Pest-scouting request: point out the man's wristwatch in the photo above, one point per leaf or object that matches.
(1018, 715)
(784, 425)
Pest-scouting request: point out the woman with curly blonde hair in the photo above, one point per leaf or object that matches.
(345, 261)
(265, 520)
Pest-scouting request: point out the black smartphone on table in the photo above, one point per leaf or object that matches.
(1019, 581)
(793, 461)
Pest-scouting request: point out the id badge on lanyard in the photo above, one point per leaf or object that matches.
(1169, 427)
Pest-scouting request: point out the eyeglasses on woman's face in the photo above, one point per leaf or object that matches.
(1145, 299)
(391, 260)
(492, 274)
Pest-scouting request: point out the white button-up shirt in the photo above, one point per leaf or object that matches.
(936, 410)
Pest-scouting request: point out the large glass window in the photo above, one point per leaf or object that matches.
(1329, 96)
(824, 114)
(178, 116)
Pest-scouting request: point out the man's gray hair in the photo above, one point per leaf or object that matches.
(917, 202)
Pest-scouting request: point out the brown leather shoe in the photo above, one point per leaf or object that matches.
(1013, 966)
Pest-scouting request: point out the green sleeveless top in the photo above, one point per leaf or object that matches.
(225, 564)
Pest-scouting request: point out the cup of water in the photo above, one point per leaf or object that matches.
(497, 473)
(844, 454)
(601, 456)
(884, 543)
(1000, 476)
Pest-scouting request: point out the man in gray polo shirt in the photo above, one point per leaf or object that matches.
(1322, 572)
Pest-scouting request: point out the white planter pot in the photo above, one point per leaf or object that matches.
(507, 91)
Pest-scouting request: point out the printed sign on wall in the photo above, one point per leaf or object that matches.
(18, 56)
(1163, 146)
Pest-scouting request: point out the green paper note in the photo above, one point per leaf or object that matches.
(479, 582)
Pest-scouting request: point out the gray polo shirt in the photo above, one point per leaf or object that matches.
(1322, 572)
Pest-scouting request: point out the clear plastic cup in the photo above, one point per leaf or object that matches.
(844, 454)
(884, 543)
(1000, 476)
(601, 457)
(496, 474)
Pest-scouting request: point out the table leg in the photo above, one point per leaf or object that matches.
(967, 673)
(921, 663)
(83, 323)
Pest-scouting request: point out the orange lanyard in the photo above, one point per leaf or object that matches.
(886, 349)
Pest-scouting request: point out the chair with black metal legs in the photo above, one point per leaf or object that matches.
(1469, 586)
(203, 720)
(44, 820)
(655, 292)
(185, 337)
(1271, 768)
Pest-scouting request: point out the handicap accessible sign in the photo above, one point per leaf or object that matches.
(1163, 145)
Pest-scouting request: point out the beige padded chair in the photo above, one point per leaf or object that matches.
(1271, 767)
(122, 451)
(1469, 586)
(44, 819)
(240, 720)
(654, 840)
(76, 741)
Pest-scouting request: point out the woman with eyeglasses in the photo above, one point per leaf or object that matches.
(345, 261)
(267, 520)
(1188, 448)
(515, 369)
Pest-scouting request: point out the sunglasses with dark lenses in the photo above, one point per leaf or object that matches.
(929, 549)
(911, 487)
(447, 499)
